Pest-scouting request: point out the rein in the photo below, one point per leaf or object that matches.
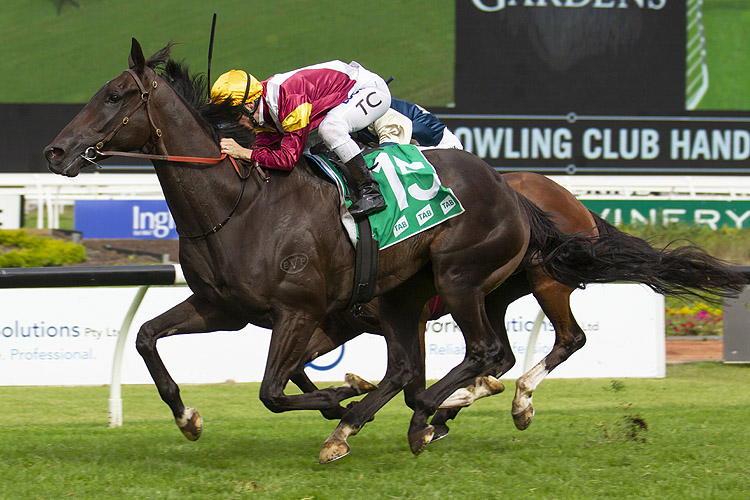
(92, 153)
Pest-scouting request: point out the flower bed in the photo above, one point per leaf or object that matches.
(694, 319)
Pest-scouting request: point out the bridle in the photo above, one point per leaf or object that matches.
(250, 114)
(91, 153)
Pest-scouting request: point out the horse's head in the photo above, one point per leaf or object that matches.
(117, 116)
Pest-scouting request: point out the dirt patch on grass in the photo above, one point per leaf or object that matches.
(684, 350)
(119, 252)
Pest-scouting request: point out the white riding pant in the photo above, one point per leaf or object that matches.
(368, 100)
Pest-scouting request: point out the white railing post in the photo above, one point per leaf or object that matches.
(528, 359)
(115, 388)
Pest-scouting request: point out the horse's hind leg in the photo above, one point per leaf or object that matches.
(496, 305)
(482, 352)
(554, 299)
(399, 313)
(191, 316)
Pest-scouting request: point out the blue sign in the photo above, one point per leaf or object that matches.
(119, 219)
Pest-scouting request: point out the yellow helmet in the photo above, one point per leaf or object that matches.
(237, 86)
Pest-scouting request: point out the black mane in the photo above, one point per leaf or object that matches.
(221, 119)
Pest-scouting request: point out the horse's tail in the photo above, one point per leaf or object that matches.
(579, 259)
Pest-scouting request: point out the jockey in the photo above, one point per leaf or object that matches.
(409, 123)
(291, 111)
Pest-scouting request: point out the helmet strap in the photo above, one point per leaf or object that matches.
(251, 113)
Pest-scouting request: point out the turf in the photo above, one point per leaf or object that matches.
(64, 58)
(587, 441)
(727, 40)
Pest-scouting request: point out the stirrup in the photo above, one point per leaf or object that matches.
(367, 205)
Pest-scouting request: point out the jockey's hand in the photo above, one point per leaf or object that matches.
(230, 147)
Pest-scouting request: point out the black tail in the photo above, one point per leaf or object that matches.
(614, 256)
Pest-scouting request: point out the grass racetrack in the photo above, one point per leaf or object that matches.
(685, 436)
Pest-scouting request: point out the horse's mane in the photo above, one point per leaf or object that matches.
(220, 119)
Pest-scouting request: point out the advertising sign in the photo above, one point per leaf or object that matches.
(562, 56)
(11, 211)
(597, 144)
(71, 340)
(715, 214)
(591, 87)
(138, 219)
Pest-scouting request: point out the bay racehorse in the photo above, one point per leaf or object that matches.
(612, 256)
(241, 275)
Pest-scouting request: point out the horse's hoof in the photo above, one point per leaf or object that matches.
(333, 450)
(441, 431)
(418, 440)
(361, 385)
(523, 418)
(191, 424)
(494, 386)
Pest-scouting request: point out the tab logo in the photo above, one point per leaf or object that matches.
(425, 215)
(447, 204)
(401, 225)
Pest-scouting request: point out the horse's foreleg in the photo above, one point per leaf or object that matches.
(404, 363)
(292, 332)
(334, 331)
(554, 299)
(191, 316)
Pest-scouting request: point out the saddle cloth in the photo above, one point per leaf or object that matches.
(415, 199)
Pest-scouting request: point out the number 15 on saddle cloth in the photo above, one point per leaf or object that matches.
(415, 199)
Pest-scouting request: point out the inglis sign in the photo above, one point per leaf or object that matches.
(137, 219)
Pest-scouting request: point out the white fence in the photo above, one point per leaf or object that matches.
(50, 193)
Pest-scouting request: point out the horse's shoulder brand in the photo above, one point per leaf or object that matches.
(294, 264)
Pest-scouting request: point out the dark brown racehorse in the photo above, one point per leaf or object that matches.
(284, 263)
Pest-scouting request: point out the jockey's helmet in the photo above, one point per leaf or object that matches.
(239, 87)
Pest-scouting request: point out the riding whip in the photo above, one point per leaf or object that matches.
(211, 49)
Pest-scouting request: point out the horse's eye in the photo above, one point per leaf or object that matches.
(113, 98)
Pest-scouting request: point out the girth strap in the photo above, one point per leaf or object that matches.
(365, 265)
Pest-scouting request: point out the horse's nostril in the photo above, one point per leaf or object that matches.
(51, 153)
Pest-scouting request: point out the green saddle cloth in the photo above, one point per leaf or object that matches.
(415, 198)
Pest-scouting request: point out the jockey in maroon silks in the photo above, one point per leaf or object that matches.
(295, 110)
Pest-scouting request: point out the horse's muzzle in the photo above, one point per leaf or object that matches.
(55, 157)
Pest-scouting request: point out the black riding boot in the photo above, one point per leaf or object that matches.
(370, 200)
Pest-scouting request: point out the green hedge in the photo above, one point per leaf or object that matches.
(18, 248)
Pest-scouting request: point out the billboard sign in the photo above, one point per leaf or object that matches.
(561, 56)
(596, 144)
(590, 86)
(11, 211)
(72, 339)
(715, 214)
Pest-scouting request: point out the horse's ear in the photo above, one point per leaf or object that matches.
(136, 60)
